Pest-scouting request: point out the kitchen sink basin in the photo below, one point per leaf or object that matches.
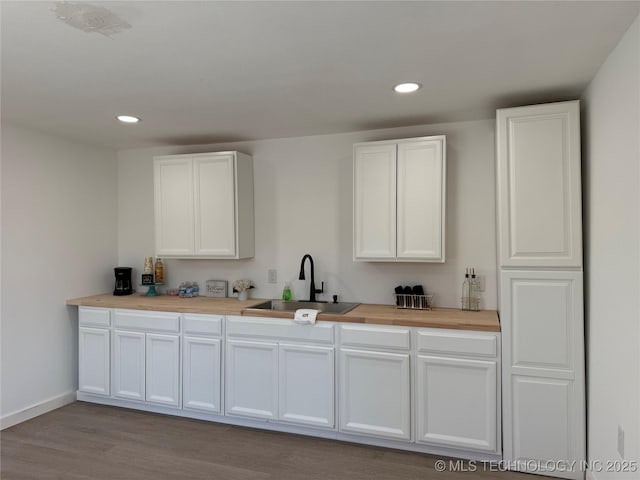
(291, 306)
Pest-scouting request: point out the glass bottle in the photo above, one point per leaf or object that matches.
(474, 292)
(465, 291)
(159, 270)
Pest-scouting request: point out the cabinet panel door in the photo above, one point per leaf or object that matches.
(375, 201)
(306, 384)
(173, 178)
(93, 363)
(215, 212)
(163, 369)
(543, 422)
(543, 373)
(201, 374)
(375, 394)
(128, 365)
(457, 402)
(252, 379)
(539, 186)
(542, 318)
(421, 200)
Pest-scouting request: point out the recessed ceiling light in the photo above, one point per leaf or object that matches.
(128, 119)
(407, 87)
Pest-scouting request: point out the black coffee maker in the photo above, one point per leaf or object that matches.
(123, 281)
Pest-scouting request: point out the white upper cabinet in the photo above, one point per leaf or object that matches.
(539, 194)
(174, 206)
(420, 210)
(204, 205)
(399, 200)
(375, 201)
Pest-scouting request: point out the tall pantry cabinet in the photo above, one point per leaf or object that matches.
(541, 294)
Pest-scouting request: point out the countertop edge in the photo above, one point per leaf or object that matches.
(449, 318)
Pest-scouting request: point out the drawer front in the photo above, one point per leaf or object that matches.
(454, 343)
(202, 324)
(279, 329)
(397, 338)
(100, 317)
(147, 320)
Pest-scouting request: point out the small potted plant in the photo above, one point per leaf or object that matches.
(242, 287)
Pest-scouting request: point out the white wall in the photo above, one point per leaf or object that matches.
(58, 242)
(303, 204)
(611, 160)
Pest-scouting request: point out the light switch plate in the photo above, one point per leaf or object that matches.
(272, 275)
(482, 280)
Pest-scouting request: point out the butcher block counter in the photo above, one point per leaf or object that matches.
(484, 320)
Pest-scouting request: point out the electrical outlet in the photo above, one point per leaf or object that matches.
(481, 282)
(272, 276)
(621, 441)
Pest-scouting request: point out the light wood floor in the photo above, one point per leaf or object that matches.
(86, 441)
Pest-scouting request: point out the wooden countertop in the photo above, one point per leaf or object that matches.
(485, 320)
(166, 303)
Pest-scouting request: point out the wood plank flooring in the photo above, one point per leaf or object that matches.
(87, 441)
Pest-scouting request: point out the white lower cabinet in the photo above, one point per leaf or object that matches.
(129, 365)
(281, 371)
(201, 374)
(375, 392)
(458, 389)
(93, 360)
(306, 379)
(456, 402)
(252, 379)
(292, 383)
(163, 369)
(146, 356)
(415, 388)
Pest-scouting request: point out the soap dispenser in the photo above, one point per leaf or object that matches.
(286, 292)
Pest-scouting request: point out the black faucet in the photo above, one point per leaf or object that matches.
(312, 287)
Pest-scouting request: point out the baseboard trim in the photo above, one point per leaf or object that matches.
(14, 418)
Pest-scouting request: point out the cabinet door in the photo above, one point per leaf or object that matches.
(539, 197)
(215, 212)
(201, 374)
(421, 200)
(541, 315)
(128, 365)
(456, 402)
(306, 384)
(375, 394)
(252, 379)
(374, 213)
(173, 178)
(93, 363)
(163, 369)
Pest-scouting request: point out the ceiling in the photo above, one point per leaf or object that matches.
(208, 72)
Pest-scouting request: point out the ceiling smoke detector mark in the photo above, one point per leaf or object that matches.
(89, 18)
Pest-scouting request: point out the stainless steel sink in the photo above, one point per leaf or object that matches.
(291, 306)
